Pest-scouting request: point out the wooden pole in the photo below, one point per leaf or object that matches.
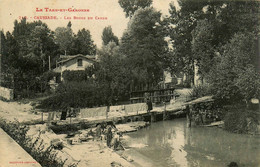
(164, 111)
(49, 62)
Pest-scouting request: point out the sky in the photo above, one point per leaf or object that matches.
(15, 9)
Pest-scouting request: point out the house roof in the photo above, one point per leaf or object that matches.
(66, 58)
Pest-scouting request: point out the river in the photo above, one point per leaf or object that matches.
(171, 143)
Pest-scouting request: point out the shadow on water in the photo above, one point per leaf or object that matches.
(171, 143)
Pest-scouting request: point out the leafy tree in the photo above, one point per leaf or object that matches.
(10, 59)
(64, 38)
(108, 36)
(130, 6)
(26, 53)
(79, 76)
(225, 18)
(202, 46)
(109, 85)
(2, 42)
(144, 46)
(112, 75)
(237, 16)
(41, 45)
(83, 44)
(239, 59)
(248, 83)
(72, 94)
(180, 26)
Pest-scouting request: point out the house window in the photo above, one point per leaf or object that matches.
(80, 63)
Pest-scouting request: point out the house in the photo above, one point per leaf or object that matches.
(73, 63)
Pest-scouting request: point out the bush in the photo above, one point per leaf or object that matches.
(241, 121)
(72, 94)
(236, 78)
(79, 75)
(200, 91)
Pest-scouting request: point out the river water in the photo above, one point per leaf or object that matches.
(171, 143)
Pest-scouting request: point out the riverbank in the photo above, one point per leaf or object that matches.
(14, 154)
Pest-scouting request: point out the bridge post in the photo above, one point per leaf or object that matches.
(153, 117)
(164, 112)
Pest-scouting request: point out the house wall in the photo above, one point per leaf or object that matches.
(73, 65)
(167, 77)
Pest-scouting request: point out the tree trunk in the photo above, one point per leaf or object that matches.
(197, 76)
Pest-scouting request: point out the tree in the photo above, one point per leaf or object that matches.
(224, 18)
(202, 49)
(26, 55)
(10, 59)
(144, 46)
(112, 75)
(41, 45)
(237, 66)
(83, 44)
(248, 83)
(108, 36)
(72, 94)
(237, 16)
(2, 42)
(180, 26)
(64, 38)
(130, 6)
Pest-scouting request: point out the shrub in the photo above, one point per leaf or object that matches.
(236, 78)
(200, 91)
(79, 75)
(241, 121)
(72, 94)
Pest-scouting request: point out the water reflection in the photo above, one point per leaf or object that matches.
(171, 143)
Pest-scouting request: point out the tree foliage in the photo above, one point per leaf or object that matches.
(26, 55)
(83, 43)
(112, 75)
(200, 28)
(78, 76)
(144, 46)
(109, 85)
(72, 94)
(202, 45)
(108, 36)
(130, 6)
(26, 52)
(236, 68)
(64, 38)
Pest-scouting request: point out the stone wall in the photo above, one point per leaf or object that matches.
(6, 93)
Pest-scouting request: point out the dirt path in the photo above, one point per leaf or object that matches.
(12, 111)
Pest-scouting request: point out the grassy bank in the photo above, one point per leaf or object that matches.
(242, 120)
(44, 155)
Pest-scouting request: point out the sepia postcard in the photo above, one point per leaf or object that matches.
(125, 83)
